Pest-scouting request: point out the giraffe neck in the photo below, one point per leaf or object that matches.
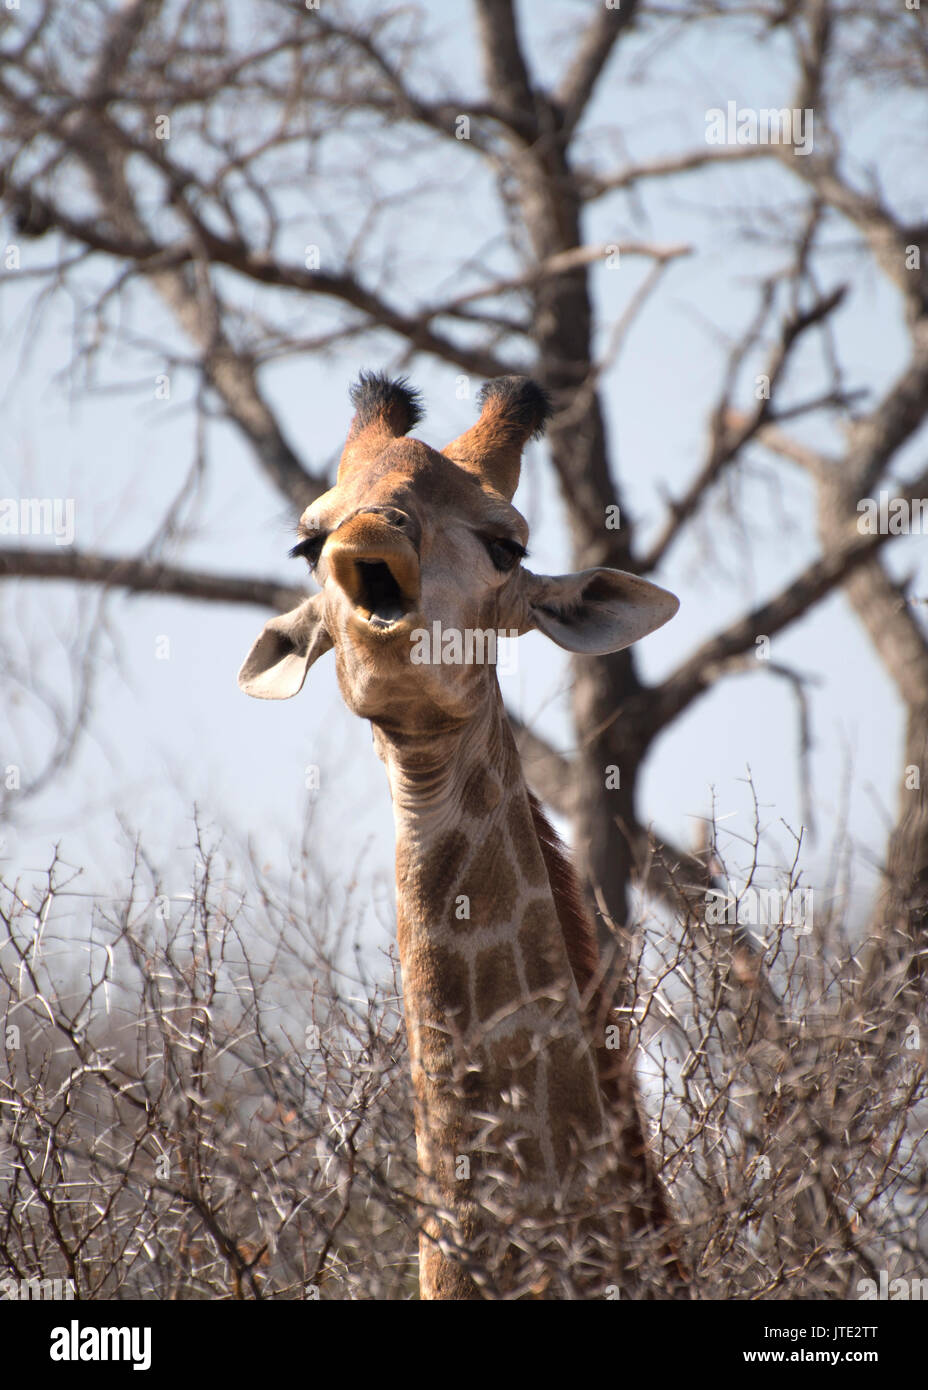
(495, 1022)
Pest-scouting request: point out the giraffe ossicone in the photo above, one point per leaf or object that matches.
(517, 1096)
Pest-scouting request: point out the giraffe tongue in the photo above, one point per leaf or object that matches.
(380, 594)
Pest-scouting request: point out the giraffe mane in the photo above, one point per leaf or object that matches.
(615, 1067)
(577, 929)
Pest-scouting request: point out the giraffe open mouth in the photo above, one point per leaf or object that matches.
(379, 599)
(378, 568)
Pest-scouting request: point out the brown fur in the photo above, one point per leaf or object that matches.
(615, 1066)
(435, 522)
(514, 410)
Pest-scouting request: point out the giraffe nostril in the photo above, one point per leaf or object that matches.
(396, 517)
(403, 522)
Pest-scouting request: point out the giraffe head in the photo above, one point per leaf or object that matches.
(410, 538)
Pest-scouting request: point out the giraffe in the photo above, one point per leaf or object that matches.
(522, 1111)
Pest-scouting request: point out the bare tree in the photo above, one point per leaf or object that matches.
(122, 154)
(175, 1125)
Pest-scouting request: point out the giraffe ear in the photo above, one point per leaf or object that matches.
(277, 664)
(595, 611)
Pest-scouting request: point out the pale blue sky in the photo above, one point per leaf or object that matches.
(167, 734)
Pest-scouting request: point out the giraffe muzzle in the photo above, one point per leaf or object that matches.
(378, 568)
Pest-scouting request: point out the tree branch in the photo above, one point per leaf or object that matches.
(731, 430)
(504, 65)
(668, 699)
(143, 576)
(596, 44)
(593, 185)
(562, 264)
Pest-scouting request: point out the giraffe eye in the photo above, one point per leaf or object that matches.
(310, 549)
(505, 553)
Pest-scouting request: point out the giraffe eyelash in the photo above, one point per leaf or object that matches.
(513, 553)
(309, 549)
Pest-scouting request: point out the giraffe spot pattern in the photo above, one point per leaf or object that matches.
(442, 983)
(481, 794)
(490, 886)
(496, 980)
(542, 948)
(573, 1100)
(433, 879)
(525, 842)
